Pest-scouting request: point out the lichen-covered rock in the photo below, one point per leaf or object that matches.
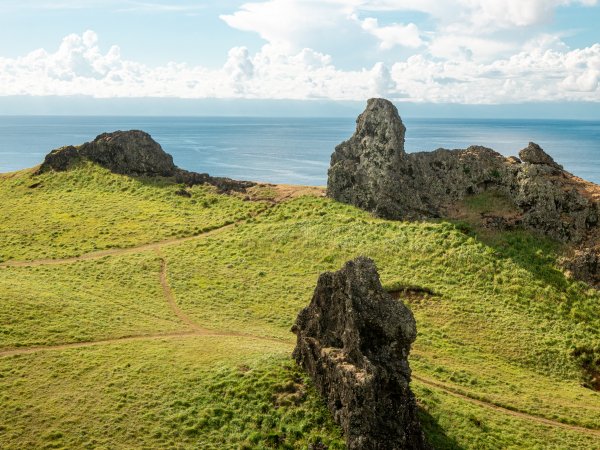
(584, 265)
(371, 170)
(354, 340)
(363, 169)
(126, 152)
(133, 153)
(553, 203)
(533, 154)
(60, 159)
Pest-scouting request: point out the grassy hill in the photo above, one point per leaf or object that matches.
(133, 317)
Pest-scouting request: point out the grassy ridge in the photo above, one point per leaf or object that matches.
(502, 325)
(64, 214)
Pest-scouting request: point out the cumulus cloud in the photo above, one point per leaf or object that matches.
(290, 23)
(471, 25)
(393, 35)
(239, 67)
(442, 69)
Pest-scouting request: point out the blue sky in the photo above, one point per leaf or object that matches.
(460, 52)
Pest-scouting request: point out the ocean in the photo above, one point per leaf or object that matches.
(293, 150)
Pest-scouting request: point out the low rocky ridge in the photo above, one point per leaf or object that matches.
(354, 340)
(371, 170)
(133, 153)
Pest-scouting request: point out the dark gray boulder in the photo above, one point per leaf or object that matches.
(534, 154)
(133, 153)
(60, 159)
(354, 340)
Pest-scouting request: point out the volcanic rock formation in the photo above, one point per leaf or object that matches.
(354, 339)
(133, 153)
(372, 171)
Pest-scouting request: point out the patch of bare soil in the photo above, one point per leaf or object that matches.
(412, 294)
(278, 193)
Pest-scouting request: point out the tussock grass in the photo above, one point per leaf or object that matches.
(200, 392)
(89, 208)
(503, 326)
(85, 301)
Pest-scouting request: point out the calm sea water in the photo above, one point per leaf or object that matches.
(292, 150)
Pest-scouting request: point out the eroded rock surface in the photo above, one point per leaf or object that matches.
(354, 340)
(133, 153)
(534, 154)
(126, 152)
(372, 171)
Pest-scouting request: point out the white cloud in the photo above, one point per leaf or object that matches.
(463, 28)
(543, 69)
(382, 84)
(393, 35)
(290, 22)
(239, 67)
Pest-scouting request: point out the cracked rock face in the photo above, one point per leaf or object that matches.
(372, 171)
(125, 152)
(133, 153)
(533, 154)
(354, 340)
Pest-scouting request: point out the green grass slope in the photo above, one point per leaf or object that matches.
(104, 353)
(64, 214)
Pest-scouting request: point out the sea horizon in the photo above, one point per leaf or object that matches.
(292, 150)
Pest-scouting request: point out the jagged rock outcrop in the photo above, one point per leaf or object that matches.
(126, 152)
(372, 171)
(354, 340)
(533, 154)
(584, 264)
(133, 153)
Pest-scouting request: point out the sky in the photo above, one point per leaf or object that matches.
(487, 53)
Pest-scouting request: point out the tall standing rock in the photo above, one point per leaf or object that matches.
(363, 169)
(372, 171)
(354, 340)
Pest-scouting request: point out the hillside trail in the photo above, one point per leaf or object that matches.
(117, 251)
(522, 415)
(193, 328)
(284, 193)
(197, 330)
(170, 297)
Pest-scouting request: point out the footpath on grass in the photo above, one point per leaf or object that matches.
(117, 251)
(192, 328)
(283, 193)
(451, 390)
(195, 330)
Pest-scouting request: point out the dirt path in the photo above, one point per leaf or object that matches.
(116, 251)
(522, 415)
(170, 297)
(143, 337)
(195, 329)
